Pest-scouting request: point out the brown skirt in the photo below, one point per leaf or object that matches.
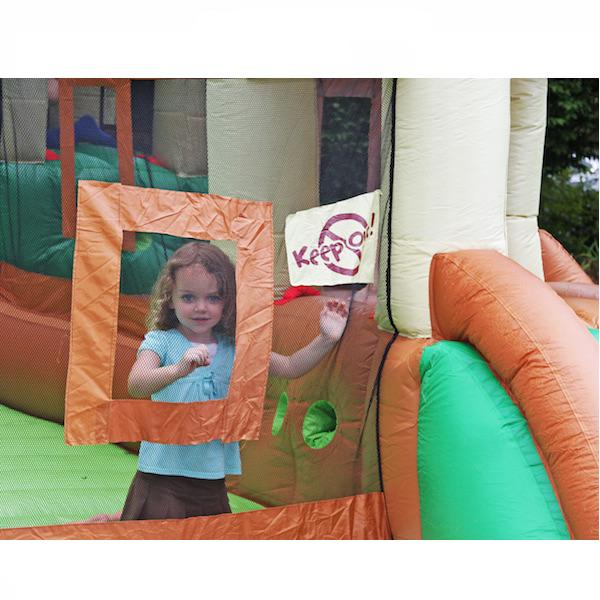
(173, 497)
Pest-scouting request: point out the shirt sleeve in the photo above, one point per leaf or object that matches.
(155, 340)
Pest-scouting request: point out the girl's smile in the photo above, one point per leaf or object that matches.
(197, 303)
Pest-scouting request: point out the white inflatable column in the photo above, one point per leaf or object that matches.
(179, 125)
(527, 133)
(449, 186)
(262, 145)
(87, 100)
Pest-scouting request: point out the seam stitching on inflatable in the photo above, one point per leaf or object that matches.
(537, 347)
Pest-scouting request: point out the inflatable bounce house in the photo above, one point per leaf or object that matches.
(462, 399)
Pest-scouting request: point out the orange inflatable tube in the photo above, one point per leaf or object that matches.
(35, 315)
(558, 264)
(34, 366)
(399, 397)
(544, 354)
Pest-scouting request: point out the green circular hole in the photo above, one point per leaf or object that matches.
(320, 424)
(280, 411)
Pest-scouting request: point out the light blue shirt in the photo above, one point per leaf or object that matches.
(214, 459)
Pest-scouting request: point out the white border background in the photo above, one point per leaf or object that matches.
(313, 38)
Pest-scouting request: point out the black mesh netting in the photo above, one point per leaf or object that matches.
(318, 437)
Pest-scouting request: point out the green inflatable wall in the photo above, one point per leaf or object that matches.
(31, 222)
(480, 476)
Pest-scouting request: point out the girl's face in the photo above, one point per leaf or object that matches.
(197, 303)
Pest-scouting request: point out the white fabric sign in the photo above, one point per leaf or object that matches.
(334, 244)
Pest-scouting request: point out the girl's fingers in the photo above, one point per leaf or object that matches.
(339, 306)
(335, 304)
(199, 359)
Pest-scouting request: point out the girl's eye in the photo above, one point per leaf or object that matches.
(187, 297)
(214, 299)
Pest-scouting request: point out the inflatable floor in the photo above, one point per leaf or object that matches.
(45, 482)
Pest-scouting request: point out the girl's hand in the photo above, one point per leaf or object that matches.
(333, 319)
(197, 356)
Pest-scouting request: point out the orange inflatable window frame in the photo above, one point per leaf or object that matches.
(105, 212)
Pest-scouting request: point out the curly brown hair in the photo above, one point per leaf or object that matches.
(216, 262)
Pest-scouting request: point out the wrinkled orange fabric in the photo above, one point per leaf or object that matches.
(105, 211)
(544, 354)
(400, 395)
(353, 518)
(558, 264)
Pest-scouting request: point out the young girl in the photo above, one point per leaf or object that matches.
(188, 355)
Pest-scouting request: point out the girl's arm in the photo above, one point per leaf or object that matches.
(147, 376)
(333, 322)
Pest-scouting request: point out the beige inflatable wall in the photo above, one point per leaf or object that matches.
(262, 145)
(87, 100)
(179, 125)
(527, 134)
(449, 186)
(24, 116)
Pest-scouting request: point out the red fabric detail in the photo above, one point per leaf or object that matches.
(296, 291)
(153, 160)
(51, 155)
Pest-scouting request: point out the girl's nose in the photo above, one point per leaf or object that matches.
(200, 306)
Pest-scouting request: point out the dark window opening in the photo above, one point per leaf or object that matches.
(107, 119)
(344, 148)
(142, 110)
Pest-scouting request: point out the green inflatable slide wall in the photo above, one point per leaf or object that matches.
(480, 476)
